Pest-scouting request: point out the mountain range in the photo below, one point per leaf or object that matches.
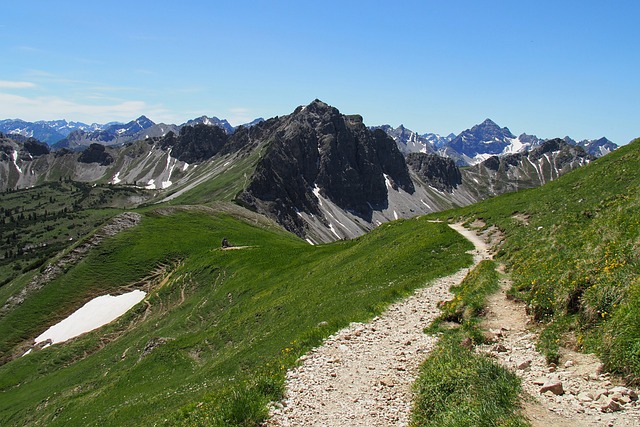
(469, 147)
(480, 142)
(319, 173)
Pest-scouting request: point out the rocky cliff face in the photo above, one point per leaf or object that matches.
(316, 153)
(195, 143)
(96, 153)
(436, 171)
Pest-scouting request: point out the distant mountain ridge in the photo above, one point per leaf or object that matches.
(319, 173)
(471, 146)
(480, 142)
(78, 136)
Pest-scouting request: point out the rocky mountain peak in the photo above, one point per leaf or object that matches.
(484, 138)
(317, 151)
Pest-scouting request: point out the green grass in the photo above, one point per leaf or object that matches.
(457, 387)
(575, 260)
(245, 318)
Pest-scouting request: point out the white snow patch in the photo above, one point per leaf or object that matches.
(387, 181)
(395, 214)
(97, 312)
(479, 158)
(333, 230)
(310, 241)
(116, 178)
(426, 204)
(151, 185)
(436, 190)
(14, 158)
(316, 192)
(184, 168)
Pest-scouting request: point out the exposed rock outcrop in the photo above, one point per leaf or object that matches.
(96, 154)
(437, 171)
(318, 151)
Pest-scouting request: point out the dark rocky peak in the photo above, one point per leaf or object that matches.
(488, 130)
(195, 143)
(437, 171)
(317, 148)
(492, 163)
(96, 153)
(485, 138)
(36, 148)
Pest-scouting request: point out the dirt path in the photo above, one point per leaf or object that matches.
(362, 375)
(587, 394)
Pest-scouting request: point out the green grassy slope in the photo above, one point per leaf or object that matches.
(218, 335)
(38, 222)
(573, 251)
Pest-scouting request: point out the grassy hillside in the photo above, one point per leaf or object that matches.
(573, 250)
(218, 333)
(38, 222)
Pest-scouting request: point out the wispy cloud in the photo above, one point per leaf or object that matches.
(50, 108)
(8, 84)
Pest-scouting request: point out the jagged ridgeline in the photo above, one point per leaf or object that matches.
(322, 175)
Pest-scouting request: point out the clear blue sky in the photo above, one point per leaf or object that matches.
(551, 68)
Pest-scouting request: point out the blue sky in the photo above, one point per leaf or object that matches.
(551, 68)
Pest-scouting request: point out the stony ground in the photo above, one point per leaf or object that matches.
(362, 375)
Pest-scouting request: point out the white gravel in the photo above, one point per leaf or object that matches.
(362, 375)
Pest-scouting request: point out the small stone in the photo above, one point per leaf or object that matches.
(624, 400)
(609, 405)
(499, 348)
(387, 382)
(568, 363)
(523, 364)
(539, 381)
(585, 397)
(553, 386)
(599, 393)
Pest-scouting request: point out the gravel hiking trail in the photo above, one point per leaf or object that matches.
(363, 374)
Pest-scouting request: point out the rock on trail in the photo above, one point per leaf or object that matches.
(362, 375)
